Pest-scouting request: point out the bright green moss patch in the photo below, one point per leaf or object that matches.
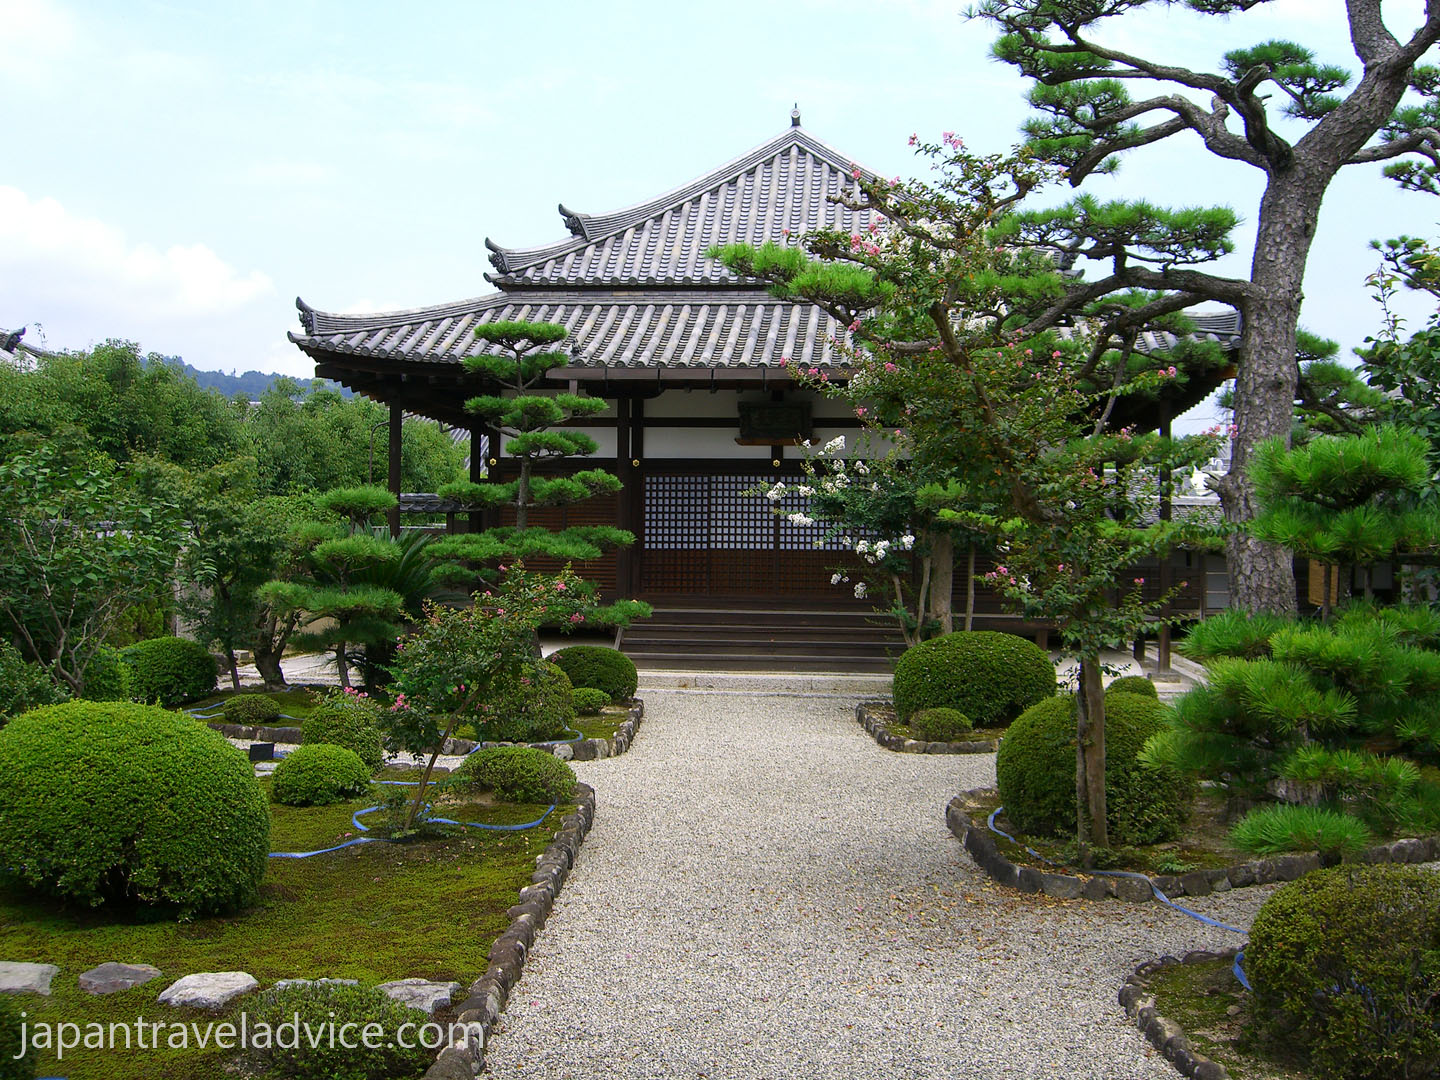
(374, 912)
(296, 701)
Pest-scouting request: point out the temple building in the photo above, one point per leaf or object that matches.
(701, 409)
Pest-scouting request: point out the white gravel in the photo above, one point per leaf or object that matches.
(768, 894)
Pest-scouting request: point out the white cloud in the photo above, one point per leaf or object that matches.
(36, 33)
(48, 253)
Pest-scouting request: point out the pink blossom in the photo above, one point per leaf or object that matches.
(894, 181)
(874, 228)
(860, 411)
(872, 249)
(577, 617)
(854, 240)
(855, 325)
(1139, 581)
(1055, 355)
(560, 586)
(914, 138)
(855, 171)
(814, 371)
(784, 361)
(890, 367)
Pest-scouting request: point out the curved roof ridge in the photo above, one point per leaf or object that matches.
(311, 317)
(589, 228)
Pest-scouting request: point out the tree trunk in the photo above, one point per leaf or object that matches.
(1090, 759)
(942, 580)
(234, 668)
(341, 666)
(522, 496)
(970, 587)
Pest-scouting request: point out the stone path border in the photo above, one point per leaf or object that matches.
(872, 722)
(478, 1014)
(583, 750)
(1165, 1035)
(980, 843)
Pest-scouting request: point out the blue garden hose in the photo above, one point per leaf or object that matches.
(1236, 967)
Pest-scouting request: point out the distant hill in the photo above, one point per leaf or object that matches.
(251, 384)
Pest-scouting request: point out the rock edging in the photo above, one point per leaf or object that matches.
(477, 1015)
(871, 722)
(1165, 1035)
(979, 842)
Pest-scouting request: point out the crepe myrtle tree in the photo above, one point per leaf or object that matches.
(531, 424)
(1270, 106)
(1033, 437)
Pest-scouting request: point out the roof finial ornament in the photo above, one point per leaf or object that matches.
(795, 115)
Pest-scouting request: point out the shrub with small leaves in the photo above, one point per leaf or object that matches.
(23, 685)
(349, 719)
(599, 668)
(107, 677)
(250, 709)
(589, 701)
(109, 802)
(169, 671)
(1035, 771)
(990, 677)
(1133, 684)
(533, 704)
(12, 1065)
(940, 724)
(1269, 830)
(319, 1004)
(517, 774)
(1345, 964)
(314, 775)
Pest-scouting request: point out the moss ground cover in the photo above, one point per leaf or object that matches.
(1200, 997)
(296, 701)
(375, 912)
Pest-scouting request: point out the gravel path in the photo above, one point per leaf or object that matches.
(768, 895)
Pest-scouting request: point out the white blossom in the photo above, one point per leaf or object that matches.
(805, 489)
(776, 493)
(907, 541)
(862, 468)
(862, 547)
(860, 591)
(835, 579)
(835, 445)
(801, 519)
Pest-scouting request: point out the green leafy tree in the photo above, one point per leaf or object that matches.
(1033, 434)
(530, 423)
(1095, 101)
(334, 597)
(80, 548)
(457, 658)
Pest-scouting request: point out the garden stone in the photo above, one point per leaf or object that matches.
(1210, 1070)
(1170, 885)
(1409, 851)
(1133, 890)
(110, 978)
(1060, 886)
(1028, 879)
(21, 978)
(584, 750)
(1196, 883)
(208, 989)
(1294, 867)
(1241, 875)
(1098, 888)
(422, 994)
(563, 751)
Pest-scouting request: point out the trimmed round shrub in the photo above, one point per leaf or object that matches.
(1133, 684)
(12, 1066)
(250, 709)
(317, 774)
(940, 724)
(990, 677)
(1346, 963)
(598, 668)
(107, 678)
(23, 685)
(535, 705)
(109, 802)
(589, 701)
(1035, 771)
(350, 720)
(517, 774)
(169, 671)
(319, 1004)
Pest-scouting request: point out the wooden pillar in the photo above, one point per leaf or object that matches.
(397, 417)
(632, 498)
(626, 472)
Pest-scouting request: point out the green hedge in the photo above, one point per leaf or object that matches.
(351, 720)
(1346, 963)
(940, 724)
(322, 1004)
(250, 709)
(538, 704)
(109, 802)
(107, 677)
(169, 671)
(317, 774)
(589, 701)
(1133, 684)
(518, 774)
(1035, 771)
(598, 668)
(990, 677)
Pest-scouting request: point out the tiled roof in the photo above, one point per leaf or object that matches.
(786, 184)
(691, 329)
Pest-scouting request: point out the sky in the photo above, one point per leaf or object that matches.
(177, 173)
